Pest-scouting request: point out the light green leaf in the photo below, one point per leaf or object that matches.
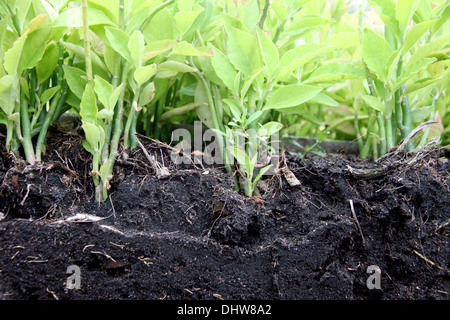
(155, 48)
(300, 55)
(136, 46)
(115, 95)
(374, 102)
(416, 32)
(253, 117)
(290, 96)
(147, 95)
(48, 94)
(260, 174)
(46, 66)
(301, 23)
(105, 114)
(12, 56)
(421, 114)
(185, 19)
(118, 40)
(223, 68)
(104, 90)
(79, 51)
(242, 51)
(93, 136)
(184, 48)
(203, 112)
(175, 66)
(324, 99)
(376, 53)
(181, 110)
(143, 74)
(335, 72)
(429, 48)
(404, 11)
(268, 51)
(251, 79)
(270, 128)
(88, 106)
(76, 79)
(160, 27)
(8, 94)
(72, 18)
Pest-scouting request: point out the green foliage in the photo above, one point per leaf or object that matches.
(249, 70)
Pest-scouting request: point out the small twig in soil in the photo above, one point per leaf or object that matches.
(357, 222)
(26, 194)
(427, 260)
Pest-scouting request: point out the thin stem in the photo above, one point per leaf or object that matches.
(87, 43)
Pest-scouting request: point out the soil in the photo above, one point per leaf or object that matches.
(191, 236)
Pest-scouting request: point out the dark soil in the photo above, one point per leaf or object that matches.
(191, 236)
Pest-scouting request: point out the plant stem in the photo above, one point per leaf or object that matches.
(26, 132)
(46, 124)
(87, 43)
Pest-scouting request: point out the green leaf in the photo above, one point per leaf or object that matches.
(242, 51)
(305, 22)
(184, 20)
(181, 110)
(251, 79)
(243, 159)
(404, 11)
(203, 112)
(160, 27)
(223, 68)
(115, 95)
(429, 48)
(175, 66)
(374, 102)
(93, 135)
(8, 94)
(324, 99)
(270, 128)
(376, 53)
(76, 79)
(48, 94)
(118, 40)
(88, 106)
(46, 66)
(260, 174)
(105, 114)
(290, 96)
(253, 117)
(421, 114)
(147, 95)
(72, 18)
(104, 90)
(155, 48)
(136, 46)
(416, 32)
(300, 55)
(143, 74)
(184, 48)
(335, 72)
(268, 51)
(12, 56)
(79, 51)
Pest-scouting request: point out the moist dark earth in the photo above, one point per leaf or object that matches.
(191, 236)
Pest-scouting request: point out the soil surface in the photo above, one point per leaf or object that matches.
(192, 236)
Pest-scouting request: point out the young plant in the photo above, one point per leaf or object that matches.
(396, 69)
(32, 86)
